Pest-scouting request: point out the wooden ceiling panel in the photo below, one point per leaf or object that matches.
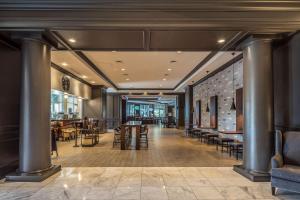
(189, 40)
(104, 39)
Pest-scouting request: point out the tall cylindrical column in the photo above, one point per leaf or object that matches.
(35, 107)
(258, 105)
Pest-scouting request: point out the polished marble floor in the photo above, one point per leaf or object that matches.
(167, 148)
(146, 183)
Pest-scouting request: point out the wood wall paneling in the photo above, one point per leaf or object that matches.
(198, 113)
(239, 110)
(286, 73)
(10, 75)
(213, 112)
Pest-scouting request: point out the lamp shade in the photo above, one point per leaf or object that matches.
(207, 108)
(232, 107)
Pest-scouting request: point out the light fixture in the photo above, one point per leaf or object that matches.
(84, 76)
(123, 69)
(169, 69)
(179, 52)
(64, 64)
(221, 41)
(65, 96)
(160, 85)
(233, 107)
(113, 51)
(72, 40)
(164, 79)
(127, 79)
(93, 82)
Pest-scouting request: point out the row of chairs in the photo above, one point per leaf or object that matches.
(144, 139)
(231, 146)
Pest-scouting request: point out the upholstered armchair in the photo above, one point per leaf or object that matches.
(285, 172)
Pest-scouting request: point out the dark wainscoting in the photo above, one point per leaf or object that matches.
(213, 112)
(286, 66)
(10, 74)
(239, 110)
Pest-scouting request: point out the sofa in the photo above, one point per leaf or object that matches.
(285, 172)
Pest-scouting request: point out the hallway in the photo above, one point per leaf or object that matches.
(168, 147)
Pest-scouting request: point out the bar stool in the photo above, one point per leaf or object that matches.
(211, 137)
(236, 148)
(203, 135)
(144, 136)
(224, 142)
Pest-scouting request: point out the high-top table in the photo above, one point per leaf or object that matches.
(130, 125)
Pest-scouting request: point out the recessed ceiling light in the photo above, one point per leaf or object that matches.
(169, 69)
(164, 79)
(173, 61)
(127, 79)
(220, 41)
(84, 76)
(123, 69)
(93, 82)
(114, 51)
(179, 52)
(64, 64)
(72, 40)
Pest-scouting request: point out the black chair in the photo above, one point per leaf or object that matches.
(285, 171)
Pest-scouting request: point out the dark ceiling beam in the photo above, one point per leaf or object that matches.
(83, 58)
(162, 5)
(229, 45)
(171, 89)
(66, 72)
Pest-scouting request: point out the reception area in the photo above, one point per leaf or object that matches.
(133, 100)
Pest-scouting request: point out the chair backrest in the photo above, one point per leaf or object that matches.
(291, 147)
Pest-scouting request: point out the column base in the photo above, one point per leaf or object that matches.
(34, 177)
(253, 176)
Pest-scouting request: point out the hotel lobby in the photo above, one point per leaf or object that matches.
(150, 100)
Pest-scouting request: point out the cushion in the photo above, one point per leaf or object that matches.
(291, 148)
(288, 172)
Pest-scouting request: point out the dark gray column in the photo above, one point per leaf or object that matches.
(35, 159)
(258, 109)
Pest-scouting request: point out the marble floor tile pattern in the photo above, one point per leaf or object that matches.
(168, 147)
(142, 183)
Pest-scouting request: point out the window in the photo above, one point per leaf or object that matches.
(65, 106)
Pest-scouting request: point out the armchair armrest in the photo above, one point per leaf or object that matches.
(277, 161)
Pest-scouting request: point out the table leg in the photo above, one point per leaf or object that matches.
(123, 132)
(137, 142)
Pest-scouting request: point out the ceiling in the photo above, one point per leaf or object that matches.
(145, 40)
(211, 66)
(146, 69)
(71, 63)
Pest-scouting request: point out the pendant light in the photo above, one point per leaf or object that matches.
(233, 107)
(207, 107)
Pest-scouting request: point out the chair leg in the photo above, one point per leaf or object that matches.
(273, 191)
